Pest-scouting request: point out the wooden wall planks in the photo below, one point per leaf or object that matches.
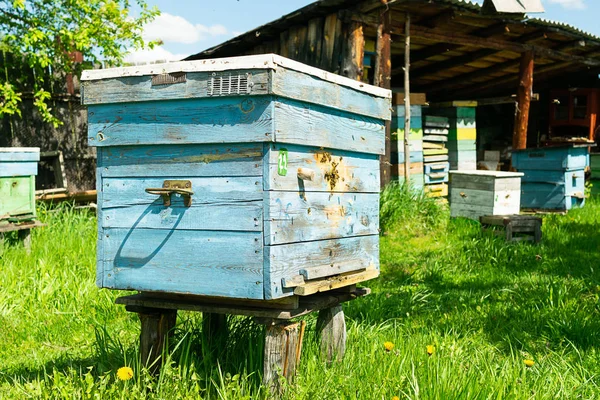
(347, 171)
(286, 261)
(240, 159)
(184, 261)
(300, 217)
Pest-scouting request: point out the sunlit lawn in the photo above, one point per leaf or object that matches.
(485, 306)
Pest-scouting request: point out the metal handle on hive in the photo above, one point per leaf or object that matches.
(182, 188)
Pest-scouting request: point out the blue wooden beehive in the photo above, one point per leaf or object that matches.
(245, 177)
(553, 178)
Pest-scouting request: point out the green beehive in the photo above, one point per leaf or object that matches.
(18, 168)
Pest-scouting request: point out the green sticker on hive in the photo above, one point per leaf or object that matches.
(282, 162)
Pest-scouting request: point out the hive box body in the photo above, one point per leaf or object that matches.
(238, 129)
(18, 168)
(474, 194)
(554, 177)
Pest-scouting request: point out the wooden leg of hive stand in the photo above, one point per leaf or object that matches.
(156, 328)
(283, 346)
(25, 237)
(214, 330)
(537, 233)
(331, 326)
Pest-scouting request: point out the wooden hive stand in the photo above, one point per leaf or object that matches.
(23, 229)
(516, 227)
(283, 332)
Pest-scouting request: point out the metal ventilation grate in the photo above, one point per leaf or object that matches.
(169, 79)
(224, 85)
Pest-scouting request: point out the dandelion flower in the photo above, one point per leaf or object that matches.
(388, 346)
(430, 350)
(124, 373)
(395, 398)
(529, 363)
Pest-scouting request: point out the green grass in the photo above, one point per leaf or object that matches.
(485, 306)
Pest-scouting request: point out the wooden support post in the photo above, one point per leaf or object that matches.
(214, 330)
(283, 345)
(352, 60)
(156, 327)
(407, 101)
(25, 236)
(383, 78)
(331, 326)
(524, 92)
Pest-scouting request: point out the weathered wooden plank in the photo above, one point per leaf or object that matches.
(8, 154)
(235, 216)
(156, 260)
(347, 171)
(335, 282)
(331, 326)
(435, 159)
(287, 260)
(434, 152)
(99, 217)
(241, 159)
(156, 328)
(354, 49)
(478, 181)
(303, 123)
(303, 87)
(435, 138)
(210, 120)
(140, 89)
(329, 38)
(121, 192)
(281, 354)
(18, 168)
(484, 197)
(290, 217)
(314, 41)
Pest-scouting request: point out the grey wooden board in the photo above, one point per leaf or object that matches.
(292, 217)
(307, 304)
(285, 261)
(483, 182)
(435, 138)
(174, 160)
(139, 88)
(356, 172)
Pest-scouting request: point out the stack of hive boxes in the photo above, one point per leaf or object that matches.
(462, 149)
(415, 139)
(18, 168)
(554, 177)
(435, 155)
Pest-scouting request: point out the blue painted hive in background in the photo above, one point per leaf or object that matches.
(18, 169)
(248, 177)
(554, 177)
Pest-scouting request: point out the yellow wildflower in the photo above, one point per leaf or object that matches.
(430, 350)
(529, 363)
(388, 346)
(124, 373)
(395, 398)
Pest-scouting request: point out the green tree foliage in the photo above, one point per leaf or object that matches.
(44, 35)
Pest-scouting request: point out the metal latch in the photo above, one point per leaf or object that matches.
(182, 187)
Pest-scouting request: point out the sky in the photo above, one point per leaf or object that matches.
(189, 26)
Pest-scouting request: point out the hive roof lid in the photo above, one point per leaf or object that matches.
(264, 61)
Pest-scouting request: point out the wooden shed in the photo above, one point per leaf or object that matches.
(494, 56)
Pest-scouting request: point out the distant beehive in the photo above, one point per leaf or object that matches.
(554, 176)
(18, 168)
(474, 194)
(251, 177)
(415, 142)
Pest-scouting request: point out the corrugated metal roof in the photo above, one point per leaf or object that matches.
(541, 22)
